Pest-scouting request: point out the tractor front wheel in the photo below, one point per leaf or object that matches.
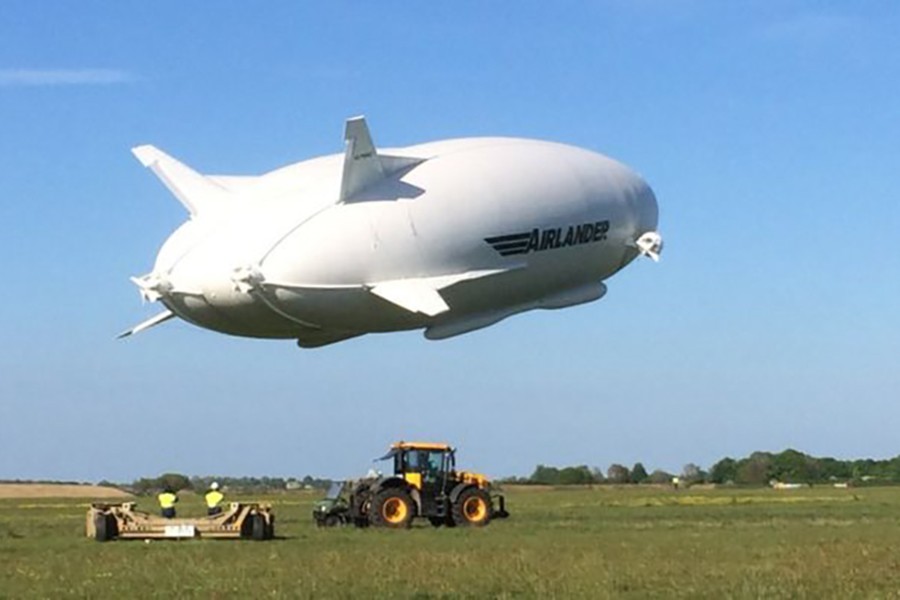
(472, 507)
(392, 508)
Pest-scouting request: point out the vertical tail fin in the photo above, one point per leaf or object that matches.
(363, 165)
(197, 193)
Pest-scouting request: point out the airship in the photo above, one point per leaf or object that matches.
(448, 237)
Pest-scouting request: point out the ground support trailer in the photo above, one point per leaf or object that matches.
(122, 521)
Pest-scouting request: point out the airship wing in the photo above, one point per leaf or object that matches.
(422, 295)
(415, 295)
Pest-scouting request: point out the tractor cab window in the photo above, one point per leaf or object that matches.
(435, 464)
(409, 461)
(414, 461)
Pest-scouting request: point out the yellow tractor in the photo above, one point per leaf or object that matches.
(426, 484)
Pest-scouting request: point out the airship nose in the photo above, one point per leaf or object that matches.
(648, 210)
(649, 242)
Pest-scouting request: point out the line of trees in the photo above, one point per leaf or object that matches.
(759, 468)
(615, 474)
(796, 467)
(179, 482)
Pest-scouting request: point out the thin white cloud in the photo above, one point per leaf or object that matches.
(57, 77)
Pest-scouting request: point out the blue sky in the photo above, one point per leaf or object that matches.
(768, 130)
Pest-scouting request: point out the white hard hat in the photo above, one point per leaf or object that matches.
(214, 485)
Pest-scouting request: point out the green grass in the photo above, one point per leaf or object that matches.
(639, 543)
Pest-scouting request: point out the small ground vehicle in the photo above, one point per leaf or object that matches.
(333, 509)
(122, 521)
(425, 483)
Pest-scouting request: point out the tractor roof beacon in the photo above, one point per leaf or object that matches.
(425, 483)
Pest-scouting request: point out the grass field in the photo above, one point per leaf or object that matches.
(812, 543)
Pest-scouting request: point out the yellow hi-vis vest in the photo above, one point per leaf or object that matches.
(213, 497)
(167, 500)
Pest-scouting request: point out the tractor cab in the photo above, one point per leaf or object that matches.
(427, 467)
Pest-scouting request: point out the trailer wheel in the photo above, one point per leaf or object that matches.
(104, 527)
(392, 508)
(258, 528)
(472, 507)
(100, 531)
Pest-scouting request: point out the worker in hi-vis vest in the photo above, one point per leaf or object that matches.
(213, 498)
(167, 500)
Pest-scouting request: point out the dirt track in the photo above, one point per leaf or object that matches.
(61, 490)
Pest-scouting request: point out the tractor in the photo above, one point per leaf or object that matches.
(425, 484)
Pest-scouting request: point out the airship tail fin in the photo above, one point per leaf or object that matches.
(197, 193)
(151, 322)
(363, 166)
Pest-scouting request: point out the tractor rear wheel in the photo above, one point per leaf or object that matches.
(472, 507)
(392, 508)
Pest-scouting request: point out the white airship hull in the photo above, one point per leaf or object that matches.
(448, 236)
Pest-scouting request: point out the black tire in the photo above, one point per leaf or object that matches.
(331, 521)
(258, 527)
(359, 506)
(270, 528)
(392, 508)
(104, 526)
(112, 526)
(437, 521)
(472, 508)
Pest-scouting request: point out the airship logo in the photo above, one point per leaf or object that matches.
(549, 239)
